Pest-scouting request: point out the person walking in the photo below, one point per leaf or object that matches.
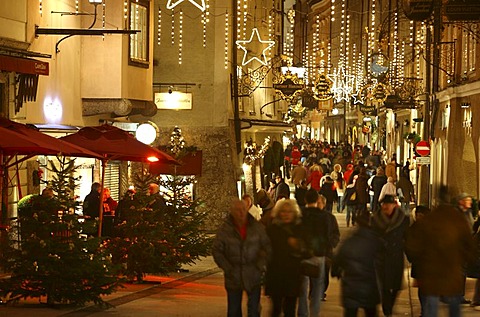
(350, 201)
(315, 224)
(299, 174)
(283, 278)
(390, 222)
(441, 252)
(241, 249)
(329, 191)
(354, 264)
(361, 188)
(388, 189)
(377, 184)
(337, 177)
(413, 235)
(315, 177)
(406, 192)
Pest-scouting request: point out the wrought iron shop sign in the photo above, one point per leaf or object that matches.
(289, 86)
(308, 100)
(463, 10)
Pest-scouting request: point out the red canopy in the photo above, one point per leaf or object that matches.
(21, 139)
(117, 144)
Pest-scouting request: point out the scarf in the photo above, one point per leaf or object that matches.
(385, 223)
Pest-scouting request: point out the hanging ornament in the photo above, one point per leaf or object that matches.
(342, 87)
(177, 142)
(254, 38)
(200, 4)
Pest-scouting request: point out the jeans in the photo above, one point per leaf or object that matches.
(430, 307)
(339, 204)
(329, 207)
(351, 213)
(234, 298)
(317, 288)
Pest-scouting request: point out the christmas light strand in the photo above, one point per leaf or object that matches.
(173, 27)
(159, 27)
(180, 37)
(332, 8)
(270, 32)
(40, 7)
(372, 29)
(125, 10)
(245, 15)
(226, 40)
(76, 6)
(239, 19)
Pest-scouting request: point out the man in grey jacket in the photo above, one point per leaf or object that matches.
(241, 249)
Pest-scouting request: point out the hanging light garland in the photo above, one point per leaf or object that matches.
(372, 30)
(332, 11)
(252, 152)
(159, 27)
(204, 29)
(270, 32)
(239, 18)
(173, 27)
(245, 12)
(40, 7)
(347, 45)
(125, 11)
(76, 6)
(103, 19)
(180, 37)
(226, 40)
(411, 33)
(342, 36)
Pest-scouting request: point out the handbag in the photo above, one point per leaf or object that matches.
(310, 267)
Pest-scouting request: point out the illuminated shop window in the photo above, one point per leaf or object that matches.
(139, 20)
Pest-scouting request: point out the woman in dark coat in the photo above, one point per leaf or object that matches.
(354, 264)
(361, 188)
(329, 191)
(283, 276)
(391, 223)
(377, 184)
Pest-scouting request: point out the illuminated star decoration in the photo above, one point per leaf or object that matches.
(342, 87)
(358, 99)
(266, 44)
(173, 3)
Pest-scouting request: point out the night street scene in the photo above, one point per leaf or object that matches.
(260, 158)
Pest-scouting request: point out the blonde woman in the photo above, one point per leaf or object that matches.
(283, 278)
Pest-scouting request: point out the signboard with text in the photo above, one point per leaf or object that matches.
(173, 101)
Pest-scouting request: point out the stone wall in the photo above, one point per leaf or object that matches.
(217, 185)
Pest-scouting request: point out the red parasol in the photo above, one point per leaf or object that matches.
(20, 139)
(116, 144)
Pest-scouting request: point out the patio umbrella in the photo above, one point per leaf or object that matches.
(19, 139)
(116, 144)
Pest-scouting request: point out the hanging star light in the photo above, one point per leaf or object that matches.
(342, 87)
(200, 4)
(254, 38)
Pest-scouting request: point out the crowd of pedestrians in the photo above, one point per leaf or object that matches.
(377, 198)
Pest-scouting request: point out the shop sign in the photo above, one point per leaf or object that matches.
(463, 10)
(173, 101)
(309, 101)
(367, 109)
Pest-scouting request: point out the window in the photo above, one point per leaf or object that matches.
(139, 20)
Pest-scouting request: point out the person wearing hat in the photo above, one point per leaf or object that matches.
(391, 224)
(464, 204)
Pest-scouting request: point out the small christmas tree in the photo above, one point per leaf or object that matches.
(161, 240)
(50, 258)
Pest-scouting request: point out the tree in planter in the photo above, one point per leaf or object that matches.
(51, 258)
(161, 240)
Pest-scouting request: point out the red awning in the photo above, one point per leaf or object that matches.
(23, 65)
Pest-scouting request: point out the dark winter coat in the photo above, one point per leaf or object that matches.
(242, 261)
(361, 187)
(91, 205)
(283, 277)
(329, 191)
(407, 189)
(441, 251)
(377, 184)
(282, 190)
(354, 263)
(347, 197)
(390, 262)
(315, 224)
